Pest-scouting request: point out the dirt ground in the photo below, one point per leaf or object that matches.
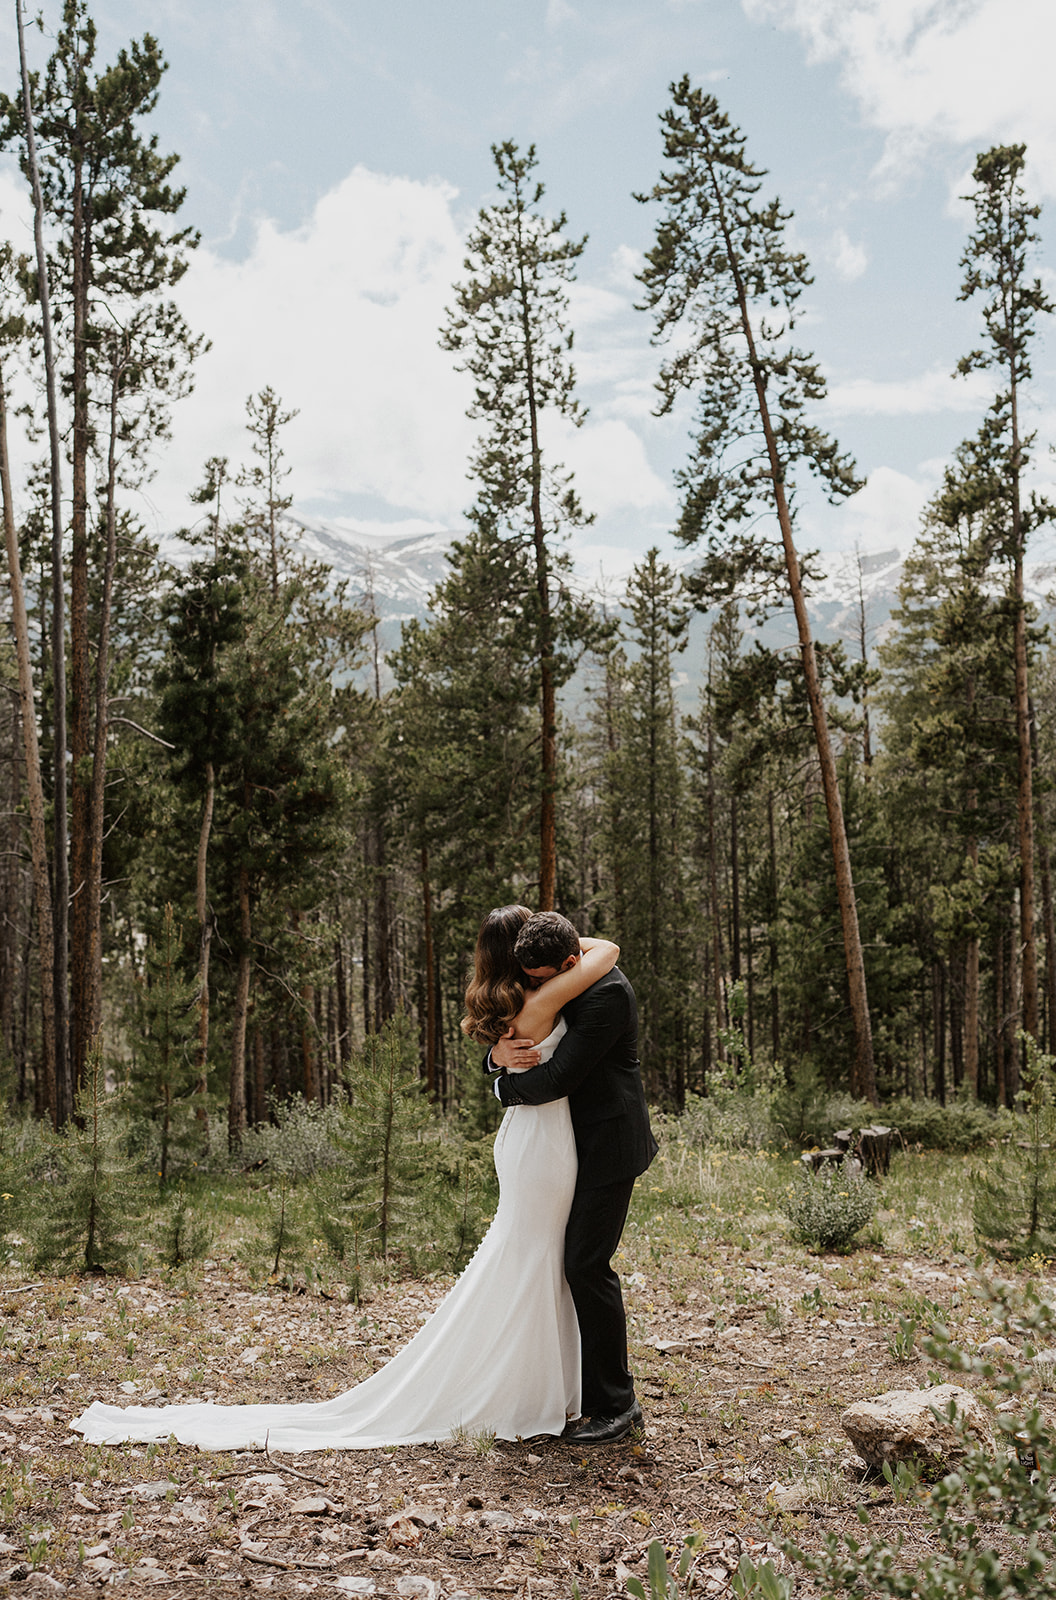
(743, 1370)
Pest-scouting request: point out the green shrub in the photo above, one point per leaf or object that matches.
(827, 1208)
(297, 1141)
(1014, 1209)
(728, 1118)
(808, 1113)
(960, 1125)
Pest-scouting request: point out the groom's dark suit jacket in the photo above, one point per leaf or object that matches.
(596, 1066)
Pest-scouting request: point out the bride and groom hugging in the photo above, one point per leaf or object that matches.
(594, 1063)
(534, 1331)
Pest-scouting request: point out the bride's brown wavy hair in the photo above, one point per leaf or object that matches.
(495, 992)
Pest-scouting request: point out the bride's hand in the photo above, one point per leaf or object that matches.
(512, 1053)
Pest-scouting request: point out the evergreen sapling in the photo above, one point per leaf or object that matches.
(1014, 1197)
(90, 1210)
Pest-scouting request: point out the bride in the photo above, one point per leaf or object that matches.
(501, 1353)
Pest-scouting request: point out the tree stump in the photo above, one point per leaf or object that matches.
(874, 1147)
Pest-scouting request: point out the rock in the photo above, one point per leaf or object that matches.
(363, 1585)
(153, 1491)
(43, 1583)
(999, 1346)
(413, 1588)
(425, 1515)
(404, 1532)
(313, 1505)
(254, 1353)
(498, 1519)
(901, 1425)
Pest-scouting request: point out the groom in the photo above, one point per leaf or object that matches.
(596, 1066)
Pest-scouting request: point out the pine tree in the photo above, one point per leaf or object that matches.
(379, 1188)
(90, 1210)
(266, 502)
(948, 768)
(12, 332)
(718, 261)
(510, 329)
(645, 822)
(995, 265)
(105, 192)
(163, 1080)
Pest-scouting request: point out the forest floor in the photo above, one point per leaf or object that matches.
(746, 1351)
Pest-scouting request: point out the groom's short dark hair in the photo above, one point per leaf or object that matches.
(546, 940)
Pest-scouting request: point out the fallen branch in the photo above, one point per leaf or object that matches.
(324, 1483)
(284, 1565)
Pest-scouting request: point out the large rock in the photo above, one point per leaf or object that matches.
(902, 1425)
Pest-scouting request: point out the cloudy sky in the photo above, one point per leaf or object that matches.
(335, 153)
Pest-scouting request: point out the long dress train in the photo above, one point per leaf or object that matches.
(500, 1353)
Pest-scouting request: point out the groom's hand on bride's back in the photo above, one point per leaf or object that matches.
(510, 1052)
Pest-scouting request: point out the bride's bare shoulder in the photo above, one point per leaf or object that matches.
(537, 1018)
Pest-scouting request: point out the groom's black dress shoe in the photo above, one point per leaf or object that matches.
(606, 1430)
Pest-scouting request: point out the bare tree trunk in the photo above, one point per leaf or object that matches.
(83, 912)
(775, 1014)
(61, 1106)
(938, 1011)
(344, 1043)
(545, 640)
(1025, 807)
(971, 1018)
(999, 1017)
(259, 1085)
(713, 885)
(384, 1001)
(93, 897)
(205, 936)
(1047, 918)
(236, 1113)
(11, 878)
(864, 1077)
(863, 645)
(430, 979)
(735, 886)
(34, 781)
(308, 1063)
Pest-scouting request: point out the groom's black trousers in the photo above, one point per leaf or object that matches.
(595, 1224)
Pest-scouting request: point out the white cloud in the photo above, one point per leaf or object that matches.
(341, 318)
(850, 260)
(558, 12)
(885, 514)
(611, 467)
(924, 394)
(16, 209)
(958, 72)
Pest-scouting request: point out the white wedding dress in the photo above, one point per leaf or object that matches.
(501, 1353)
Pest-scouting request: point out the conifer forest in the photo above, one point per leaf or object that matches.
(247, 841)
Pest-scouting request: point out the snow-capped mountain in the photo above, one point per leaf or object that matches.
(401, 564)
